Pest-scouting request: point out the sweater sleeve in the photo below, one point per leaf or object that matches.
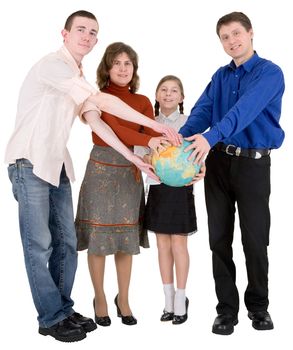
(129, 133)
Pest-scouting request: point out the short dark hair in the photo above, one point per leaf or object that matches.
(80, 13)
(234, 17)
(112, 51)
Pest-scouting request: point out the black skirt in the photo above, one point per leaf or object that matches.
(170, 210)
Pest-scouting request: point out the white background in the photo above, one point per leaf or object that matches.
(170, 37)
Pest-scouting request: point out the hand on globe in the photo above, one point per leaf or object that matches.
(173, 167)
(198, 176)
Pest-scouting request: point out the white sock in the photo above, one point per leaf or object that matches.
(179, 302)
(169, 297)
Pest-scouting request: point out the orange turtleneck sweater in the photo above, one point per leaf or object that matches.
(129, 133)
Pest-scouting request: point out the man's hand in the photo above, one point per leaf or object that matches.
(198, 176)
(200, 147)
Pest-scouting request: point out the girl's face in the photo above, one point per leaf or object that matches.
(169, 96)
(121, 72)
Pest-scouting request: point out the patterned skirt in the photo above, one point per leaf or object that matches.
(111, 205)
(170, 210)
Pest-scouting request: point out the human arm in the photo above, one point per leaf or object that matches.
(113, 105)
(257, 106)
(200, 116)
(250, 114)
(99, 127)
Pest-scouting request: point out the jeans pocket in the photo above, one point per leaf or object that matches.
(13, 177)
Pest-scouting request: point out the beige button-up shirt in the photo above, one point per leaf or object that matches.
(50, 98)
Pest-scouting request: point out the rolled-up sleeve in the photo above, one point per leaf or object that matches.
(86, 107)
(59, 75)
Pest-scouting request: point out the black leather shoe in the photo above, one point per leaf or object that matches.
(103, 321)
(66, 331)
(167, 316)
(128, 320)
(261, 320)
(178, 319)
(86, 323)
(224, 324)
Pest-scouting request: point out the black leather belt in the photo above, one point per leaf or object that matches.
(232, 150)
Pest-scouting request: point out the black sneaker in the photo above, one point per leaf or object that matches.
(66, 331)
(86, 323)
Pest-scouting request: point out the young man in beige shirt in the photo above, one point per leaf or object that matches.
(40, 169)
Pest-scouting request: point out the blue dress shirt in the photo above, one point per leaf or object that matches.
(241, 106)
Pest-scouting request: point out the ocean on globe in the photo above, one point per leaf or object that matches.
(172, 166)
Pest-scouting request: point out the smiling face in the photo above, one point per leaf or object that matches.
(81, 38)
(169, 95)
(121, 72)
(237, 41)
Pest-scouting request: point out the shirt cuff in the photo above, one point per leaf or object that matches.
(86, 107)
(212, 136)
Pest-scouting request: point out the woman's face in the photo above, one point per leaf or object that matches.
(122, 70)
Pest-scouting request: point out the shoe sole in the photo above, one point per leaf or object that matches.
(264, 328)
(261, 328)
(71, 339)
(89, 328)
(227, 331)
(167, 320)
(176, 323)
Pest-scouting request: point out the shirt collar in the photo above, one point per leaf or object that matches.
(248, 65)
(64, 52)
(172, 117)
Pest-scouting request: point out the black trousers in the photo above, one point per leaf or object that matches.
(232, 180)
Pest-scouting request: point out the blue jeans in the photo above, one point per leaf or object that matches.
(48, 238)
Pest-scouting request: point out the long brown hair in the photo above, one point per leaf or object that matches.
(112, 51)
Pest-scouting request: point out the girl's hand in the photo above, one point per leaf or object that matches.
(158, 144)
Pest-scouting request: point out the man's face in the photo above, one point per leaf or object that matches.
(82, 37)
(236, 41)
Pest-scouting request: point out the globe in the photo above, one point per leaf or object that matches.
(172, 166)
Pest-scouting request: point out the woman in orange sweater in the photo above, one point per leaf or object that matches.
(115, 227)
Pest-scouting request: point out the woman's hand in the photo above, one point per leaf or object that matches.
(147, 158)
(143, 166)
(170, 133)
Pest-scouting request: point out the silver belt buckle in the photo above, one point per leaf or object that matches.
(257, 155)
(237, 151)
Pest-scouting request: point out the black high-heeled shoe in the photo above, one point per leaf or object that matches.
(167, 316)
(128, 320)
(103, 321)
(178, 319)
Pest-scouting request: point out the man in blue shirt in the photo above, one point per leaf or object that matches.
(240, 109)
